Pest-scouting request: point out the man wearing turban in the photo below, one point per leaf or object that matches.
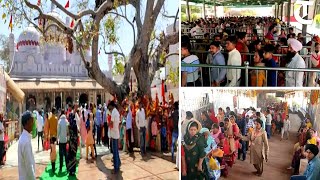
(294, 78)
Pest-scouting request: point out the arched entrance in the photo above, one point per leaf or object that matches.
(31, 103)
(47, 104)
(99, 99)
(69, 100)
(58, 102)
(83, 99)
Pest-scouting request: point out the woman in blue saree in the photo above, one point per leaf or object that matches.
(211, 145)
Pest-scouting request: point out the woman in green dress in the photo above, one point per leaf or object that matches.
(194, 144)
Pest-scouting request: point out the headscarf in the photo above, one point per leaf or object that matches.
(211, 143)
(215, 136)
(191, 140)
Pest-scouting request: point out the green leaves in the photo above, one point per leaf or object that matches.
(4, 15)
(110, 28)
(118, 68)
(173, 75)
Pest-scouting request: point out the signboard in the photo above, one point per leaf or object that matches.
(3, 88)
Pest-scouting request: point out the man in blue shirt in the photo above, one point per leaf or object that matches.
(312, 171)
(99, 124)
(270, 62)
(242, 124)
(190, 75)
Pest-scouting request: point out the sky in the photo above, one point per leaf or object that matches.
(124, 31)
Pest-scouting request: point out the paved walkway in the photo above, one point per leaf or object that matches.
(133, 167)
(280, 155)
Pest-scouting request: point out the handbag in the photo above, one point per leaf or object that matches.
(213, 164)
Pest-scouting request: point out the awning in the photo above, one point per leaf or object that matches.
(58, 85)
(13, 88)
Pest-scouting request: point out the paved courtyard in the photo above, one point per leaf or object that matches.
(133, 166)
(280, 155)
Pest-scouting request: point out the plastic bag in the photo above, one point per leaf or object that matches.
(213, 164)
(46, 145)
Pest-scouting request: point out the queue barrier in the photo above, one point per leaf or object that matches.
(248, 68)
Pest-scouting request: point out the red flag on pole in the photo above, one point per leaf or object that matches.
(72, 23)
(163, 93)
(67, 5)
(10, 23)
(39, 2)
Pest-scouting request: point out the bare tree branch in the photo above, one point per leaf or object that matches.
(115, 52)
(167, 16)
(171, 54)
(175, 21)
(74, 16)
(67, 29)
(164, 43)
(137, 17)
(131, 24)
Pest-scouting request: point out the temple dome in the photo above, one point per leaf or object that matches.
(29, 38)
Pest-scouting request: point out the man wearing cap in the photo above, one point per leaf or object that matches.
(312, 171)
(26, 163)
(294, 78)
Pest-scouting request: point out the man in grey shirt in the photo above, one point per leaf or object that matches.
(63, 125)
(216, 58)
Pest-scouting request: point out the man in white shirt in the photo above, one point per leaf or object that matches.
(40, 125)
(141, 124)
(26, 163)
(63, 134)
(1, 139)
(234, 59)
(286, 127)
(196, 30)
(268, 123)
(295, 78)
(115, 135)
(129, 129)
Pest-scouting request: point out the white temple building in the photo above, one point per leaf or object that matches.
(48, 74)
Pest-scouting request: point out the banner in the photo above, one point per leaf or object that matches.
(3, 88)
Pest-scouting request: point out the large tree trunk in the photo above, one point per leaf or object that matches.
(141, 70)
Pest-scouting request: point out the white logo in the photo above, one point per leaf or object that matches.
(296, 12)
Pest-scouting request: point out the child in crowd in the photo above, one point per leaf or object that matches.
(53, 154)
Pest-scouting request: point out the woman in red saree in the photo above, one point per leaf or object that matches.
(231, 143)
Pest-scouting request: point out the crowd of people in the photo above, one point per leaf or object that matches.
(307, 147)
(211, 145)
(240, 41)
(112, 125)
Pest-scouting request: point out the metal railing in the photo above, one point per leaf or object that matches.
(202, 55)
(248, 68)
